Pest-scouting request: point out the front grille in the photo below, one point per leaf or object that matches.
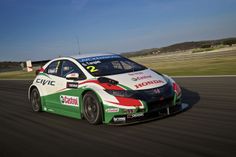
(160, 104)
(154, 94)
(164, 89)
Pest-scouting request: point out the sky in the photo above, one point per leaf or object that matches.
(46, 29)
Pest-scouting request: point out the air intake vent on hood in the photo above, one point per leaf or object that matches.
(107, 80)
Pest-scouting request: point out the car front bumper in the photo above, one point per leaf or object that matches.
(149, 116)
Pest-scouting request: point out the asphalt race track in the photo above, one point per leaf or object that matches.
(208, 128)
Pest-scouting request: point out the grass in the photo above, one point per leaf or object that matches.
(208, 49)
(203, 49)
(192, 64)
(17, 75)
(212, 63)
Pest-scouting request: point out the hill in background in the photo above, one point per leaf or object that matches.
(14, 66)
(182, 47)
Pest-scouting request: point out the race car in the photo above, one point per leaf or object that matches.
(105, 88)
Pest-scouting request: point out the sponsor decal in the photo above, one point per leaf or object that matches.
(134, 79)
(91, 63)
(141, 77)
(72, 85)
(69, 100)
(136, 73)
(112, 110)
(147, 83)
(45, 82)
(90, 59)
(137, 115)
(119, 119)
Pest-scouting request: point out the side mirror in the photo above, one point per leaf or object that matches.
(38, 71)
(72, 76)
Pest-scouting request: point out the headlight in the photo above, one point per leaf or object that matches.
(176, 88)
(121, 93)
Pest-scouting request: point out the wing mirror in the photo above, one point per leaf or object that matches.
(38, 71)
(72, 76)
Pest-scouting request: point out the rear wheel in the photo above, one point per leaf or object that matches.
(35, 100)
(92, 108)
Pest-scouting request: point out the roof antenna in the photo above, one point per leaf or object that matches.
(77, 39)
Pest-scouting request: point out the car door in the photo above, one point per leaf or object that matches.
(53, 89)
(69, 96)
(64, 96)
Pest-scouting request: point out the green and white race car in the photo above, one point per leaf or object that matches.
(105, 88)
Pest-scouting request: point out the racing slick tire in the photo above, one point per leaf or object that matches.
(92, 108)
(35, 100)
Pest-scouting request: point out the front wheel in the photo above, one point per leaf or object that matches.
(35, 100)
(92, 108)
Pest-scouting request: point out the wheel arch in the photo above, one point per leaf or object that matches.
(31, 88)
(99, 99)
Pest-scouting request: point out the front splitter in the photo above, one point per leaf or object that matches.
(150, 116)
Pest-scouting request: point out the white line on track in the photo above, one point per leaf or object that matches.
(199, 76)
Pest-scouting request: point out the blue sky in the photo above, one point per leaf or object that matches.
(45, 29)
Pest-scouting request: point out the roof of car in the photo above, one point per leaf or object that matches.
(92, 55)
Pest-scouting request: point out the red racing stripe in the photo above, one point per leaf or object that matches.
(122, 100)
(126, 101)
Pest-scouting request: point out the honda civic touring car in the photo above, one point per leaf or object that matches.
(107, 88)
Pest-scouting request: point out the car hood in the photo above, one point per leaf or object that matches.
(139, 80)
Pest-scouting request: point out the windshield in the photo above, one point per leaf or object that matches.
(109, 65)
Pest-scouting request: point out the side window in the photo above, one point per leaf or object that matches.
(69, 67)
(53, 68)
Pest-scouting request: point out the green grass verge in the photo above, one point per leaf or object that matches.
(205, 65)
(17, 75)
(220, 63)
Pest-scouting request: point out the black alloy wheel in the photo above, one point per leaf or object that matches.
(92, 108)
(35, 100)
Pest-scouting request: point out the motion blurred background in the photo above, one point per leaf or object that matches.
(42, 30)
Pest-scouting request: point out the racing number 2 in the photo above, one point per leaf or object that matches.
(92, 69)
